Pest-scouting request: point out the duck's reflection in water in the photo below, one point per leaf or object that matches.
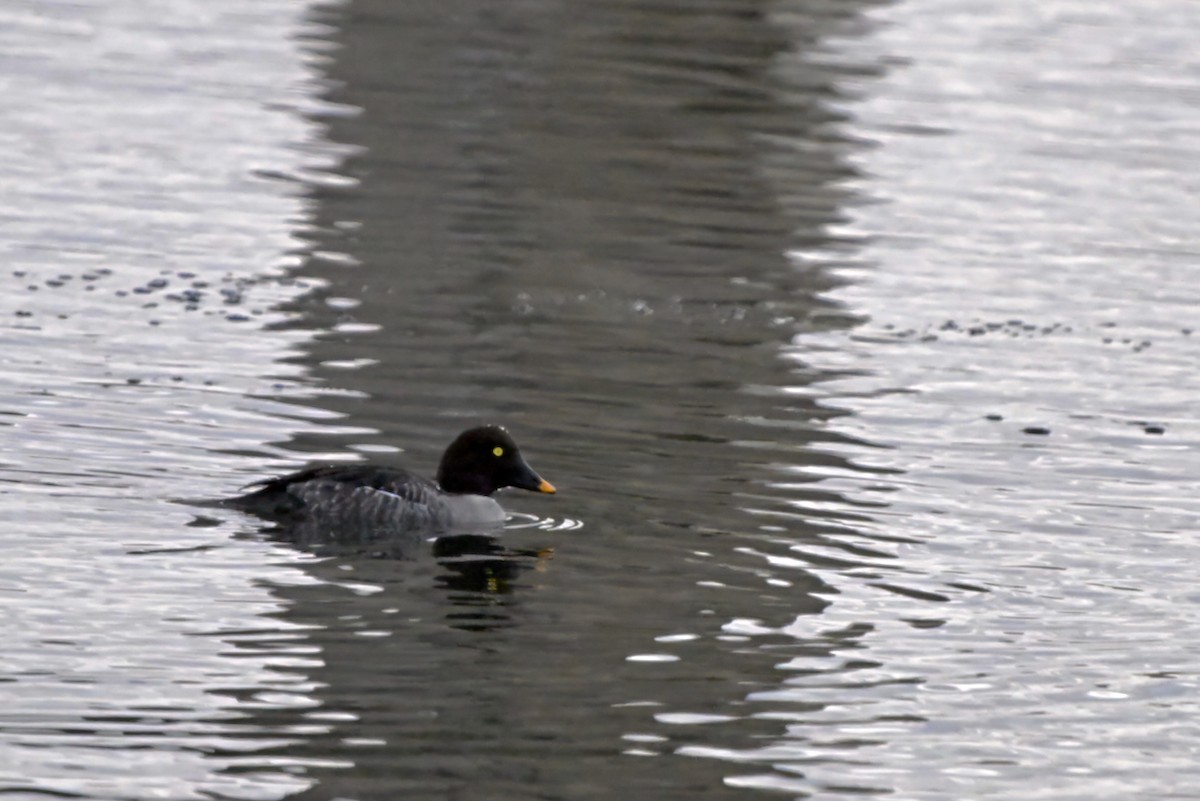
(473, 562)
(481, 563)
(374, 618)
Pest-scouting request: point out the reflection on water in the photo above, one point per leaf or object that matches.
(584, 236)
(482, 561)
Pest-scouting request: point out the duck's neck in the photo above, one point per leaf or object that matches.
(463, 484)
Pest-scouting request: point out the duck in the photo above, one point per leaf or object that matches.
(476, 464)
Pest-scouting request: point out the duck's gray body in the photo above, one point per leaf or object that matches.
(371, 497)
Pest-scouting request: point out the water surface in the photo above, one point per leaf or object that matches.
(855, 336)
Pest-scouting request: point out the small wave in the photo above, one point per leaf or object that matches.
(519, 520)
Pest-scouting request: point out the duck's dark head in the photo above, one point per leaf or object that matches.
(485, 459)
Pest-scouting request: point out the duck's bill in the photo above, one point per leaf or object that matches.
(536, 483)
(531, 481)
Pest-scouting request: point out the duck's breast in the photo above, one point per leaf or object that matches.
(467, 511)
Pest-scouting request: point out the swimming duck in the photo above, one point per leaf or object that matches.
(479, 462)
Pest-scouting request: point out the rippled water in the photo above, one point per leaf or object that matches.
(144, 257)
(1029, 286)
(856, 337)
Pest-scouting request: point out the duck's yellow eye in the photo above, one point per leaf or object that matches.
(498, 450)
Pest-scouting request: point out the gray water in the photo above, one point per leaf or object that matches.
(857, 338)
